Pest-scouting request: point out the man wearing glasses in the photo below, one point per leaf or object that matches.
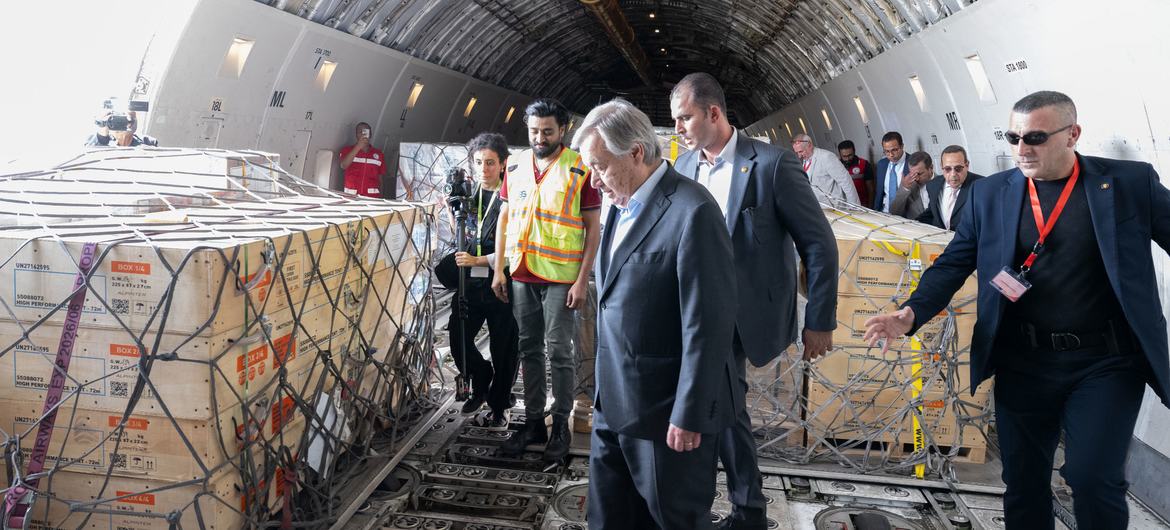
(890, 171)
(1069, 320)
(949, 194)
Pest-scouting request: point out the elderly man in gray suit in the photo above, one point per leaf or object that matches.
(664, 332)
(825, 171)
(768, 204)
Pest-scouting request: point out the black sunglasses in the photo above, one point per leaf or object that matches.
(1033, 138)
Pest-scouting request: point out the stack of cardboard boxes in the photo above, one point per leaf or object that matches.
(858, 394)
(206, 349)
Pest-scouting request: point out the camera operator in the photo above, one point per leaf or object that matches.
(116, 129)
(491, 382)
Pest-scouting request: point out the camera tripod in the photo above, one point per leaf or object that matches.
(459, 205)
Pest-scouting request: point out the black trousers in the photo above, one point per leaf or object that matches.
(1094, 396)
(737, 451)
(492, 380)
(638, 484)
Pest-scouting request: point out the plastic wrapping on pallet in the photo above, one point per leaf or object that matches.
(229, 315)
(422, 170)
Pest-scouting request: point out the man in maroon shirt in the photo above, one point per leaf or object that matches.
(860, 170)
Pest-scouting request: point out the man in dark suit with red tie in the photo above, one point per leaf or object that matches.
(1069, 317)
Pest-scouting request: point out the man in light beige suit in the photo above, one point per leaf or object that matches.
(828, 176)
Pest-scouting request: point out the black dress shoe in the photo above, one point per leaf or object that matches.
(737, 521)
(474, 403)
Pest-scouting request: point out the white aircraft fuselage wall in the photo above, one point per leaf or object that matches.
(280, 104)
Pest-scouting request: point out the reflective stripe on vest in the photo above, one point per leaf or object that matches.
(545, 227)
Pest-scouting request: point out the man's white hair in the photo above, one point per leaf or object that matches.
(621, 126)
(803, 138)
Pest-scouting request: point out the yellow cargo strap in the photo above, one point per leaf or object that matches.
(915, 265)
(916, 374)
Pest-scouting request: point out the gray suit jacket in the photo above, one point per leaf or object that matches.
(908, 202)
(827, 174)
(665, 317)
(771, 205)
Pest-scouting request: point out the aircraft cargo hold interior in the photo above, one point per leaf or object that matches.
(449, 265)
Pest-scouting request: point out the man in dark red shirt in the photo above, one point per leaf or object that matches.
(363, 165)
(860, 170)
(547, 235)
(590, 200)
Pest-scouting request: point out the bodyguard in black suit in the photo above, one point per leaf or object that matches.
(664, 330)
(768, 205)
(949, 193)
(1076, 349)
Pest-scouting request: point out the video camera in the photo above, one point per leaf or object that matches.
(457, 186)
(119, 118)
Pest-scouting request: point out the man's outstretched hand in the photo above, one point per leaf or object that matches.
(888, 327)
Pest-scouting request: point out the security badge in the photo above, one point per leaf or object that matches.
(1010, 284)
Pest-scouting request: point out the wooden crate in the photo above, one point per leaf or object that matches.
(870, 369)
(94, 442)
(224, 502)
(876, 253)
(853, 311)
(222, 277)
(885, 417)
(232, 367)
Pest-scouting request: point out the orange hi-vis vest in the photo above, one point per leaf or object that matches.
(545, 227)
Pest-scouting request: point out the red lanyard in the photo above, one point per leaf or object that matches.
(1046, 227)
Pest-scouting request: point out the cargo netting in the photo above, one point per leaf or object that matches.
(197, 339)
(908, 411)
(422, 168)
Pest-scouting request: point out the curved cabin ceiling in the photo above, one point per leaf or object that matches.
(766, 53)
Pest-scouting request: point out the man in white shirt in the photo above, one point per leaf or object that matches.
(664, 392)
(826, 173)
(948, 195)
(772, 214)
(889, 172)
